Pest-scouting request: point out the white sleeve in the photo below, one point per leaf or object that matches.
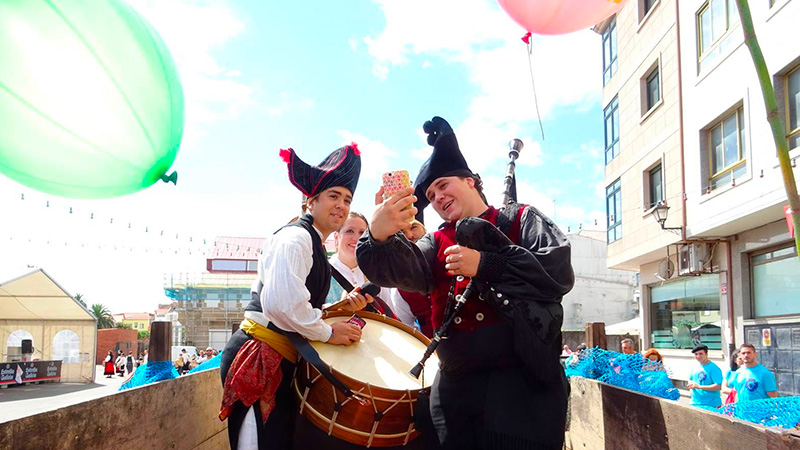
(285, 265)
(401, 308)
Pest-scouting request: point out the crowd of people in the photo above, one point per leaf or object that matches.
(121, 364)
(187, 361)
(745, 380)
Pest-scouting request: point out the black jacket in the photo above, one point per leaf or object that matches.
(525, 282)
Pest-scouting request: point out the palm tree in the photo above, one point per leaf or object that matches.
(103, 315)
(79, 298)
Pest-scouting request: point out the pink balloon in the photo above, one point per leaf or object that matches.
(560, 16)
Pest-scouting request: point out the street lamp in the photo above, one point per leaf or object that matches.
(660, 212)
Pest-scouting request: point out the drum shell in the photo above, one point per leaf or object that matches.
(354, 423)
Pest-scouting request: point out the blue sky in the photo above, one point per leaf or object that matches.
(263, 75)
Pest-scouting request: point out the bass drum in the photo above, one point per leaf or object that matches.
(376, 370)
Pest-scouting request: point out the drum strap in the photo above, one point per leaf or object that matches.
(311, 356)
(347, 286)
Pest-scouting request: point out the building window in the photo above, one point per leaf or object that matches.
(610, 51)
(727, 150)
(612, 129)
(614, 211)
(792, 107)
(655, 194)
(16, 337)
(229, 265)
(652, 89)
(685, 313)
(67, 347)
(775, 282)
(645, 6)
(714, 20)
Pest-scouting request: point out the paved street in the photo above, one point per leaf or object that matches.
(26, 400)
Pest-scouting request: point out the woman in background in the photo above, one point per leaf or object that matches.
(730, 377)
(344, 262)
(108, 366)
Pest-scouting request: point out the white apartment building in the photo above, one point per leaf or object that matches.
(686, 133)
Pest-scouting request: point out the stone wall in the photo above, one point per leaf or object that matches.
(175, 414)
(604, 416)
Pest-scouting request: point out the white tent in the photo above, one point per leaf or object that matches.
(35, 306)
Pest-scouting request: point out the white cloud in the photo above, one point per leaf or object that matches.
(564, 212)
(193, 31)
(483, 143)
(479, 35)
(447, 27)
(287, 104)
(375, 154)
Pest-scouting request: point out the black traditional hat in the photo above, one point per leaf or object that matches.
(445, 161)
(340, 168)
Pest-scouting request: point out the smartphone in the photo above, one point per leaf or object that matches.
(395, 181)
(356, 320)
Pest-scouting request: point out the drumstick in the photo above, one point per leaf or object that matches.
(367, 288)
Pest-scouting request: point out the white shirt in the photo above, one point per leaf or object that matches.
(283, 268)
(357, 278)
(401, 309)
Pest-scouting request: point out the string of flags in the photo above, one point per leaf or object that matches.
(155, 239)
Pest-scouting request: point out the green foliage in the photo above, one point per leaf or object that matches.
(103, 315)
(123, 326)
(144, 334)
(79, 298)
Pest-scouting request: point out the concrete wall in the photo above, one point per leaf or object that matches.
(603, 416)
(600, 294)
(175, 414)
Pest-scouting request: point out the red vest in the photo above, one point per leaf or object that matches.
(420, 305)
(475, 313)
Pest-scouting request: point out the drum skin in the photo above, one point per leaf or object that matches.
(388, 417)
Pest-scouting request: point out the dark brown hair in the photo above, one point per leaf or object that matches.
(478, 186)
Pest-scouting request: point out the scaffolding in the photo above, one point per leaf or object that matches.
(209, 304)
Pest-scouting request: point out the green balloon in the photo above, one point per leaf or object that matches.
(91, 105)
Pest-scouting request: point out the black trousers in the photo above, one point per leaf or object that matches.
(278, 432)
(498, 409)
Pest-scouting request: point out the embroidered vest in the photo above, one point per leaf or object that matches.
(475, 313)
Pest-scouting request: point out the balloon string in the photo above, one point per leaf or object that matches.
(533, 84)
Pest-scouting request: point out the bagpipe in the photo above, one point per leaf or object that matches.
(536, 325)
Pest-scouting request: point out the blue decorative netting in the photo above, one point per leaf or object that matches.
(781, 412)
(210, 364)
(150, 372)
(633, 372)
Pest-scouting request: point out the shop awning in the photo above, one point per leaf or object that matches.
(36, 296)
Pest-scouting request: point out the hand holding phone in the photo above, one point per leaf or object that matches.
(394, 182)
(358, 321)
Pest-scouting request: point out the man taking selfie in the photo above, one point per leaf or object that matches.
(492, 390)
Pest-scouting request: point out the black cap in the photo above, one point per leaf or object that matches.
(445, 161)
(700, 347)
(340, 168)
